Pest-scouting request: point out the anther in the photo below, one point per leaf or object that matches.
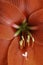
(31, 38)
(21, 42)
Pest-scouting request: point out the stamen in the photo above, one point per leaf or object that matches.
(31, 36)
(21, 43)
(22, 38)
(23, 28)
(33, 39)
(28, 40)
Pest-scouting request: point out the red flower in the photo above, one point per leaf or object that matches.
(21, 22)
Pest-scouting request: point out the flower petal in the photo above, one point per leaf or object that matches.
(14, 53)
(10, 14)
(4, 44)
(33, 5)
(36, 18)
(6, 32)
(6, 35)
(38, 53)
(38, 36)
(19, 3)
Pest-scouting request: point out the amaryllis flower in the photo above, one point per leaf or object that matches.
(21, 32)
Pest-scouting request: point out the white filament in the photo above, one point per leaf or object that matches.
(33, 39)
(28, 38)
(22, 38)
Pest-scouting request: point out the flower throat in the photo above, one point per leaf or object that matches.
(25, 35)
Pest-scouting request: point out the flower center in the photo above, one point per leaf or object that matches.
(25, 35)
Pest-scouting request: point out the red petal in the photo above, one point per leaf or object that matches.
(38, 36)
(36, 17)
(4, 44)
(19, 3)
(6, 32)
(6, 35)
(33, 5)
(38, 54)
(10, 14)
(14, 53)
